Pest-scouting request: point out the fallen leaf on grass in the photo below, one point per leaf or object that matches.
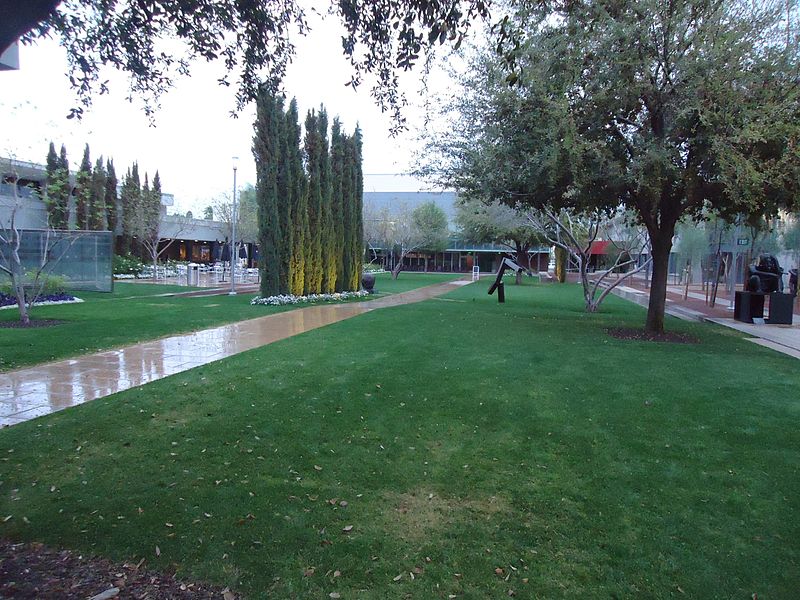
(334, 595)
(347, 529)
(158, 551)
(309, 572)
(337, 573)
(499, 571)
(398, 578)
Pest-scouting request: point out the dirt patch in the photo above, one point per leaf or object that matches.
(34, 571)
(32, 325)
(414, 516)
(625, 333)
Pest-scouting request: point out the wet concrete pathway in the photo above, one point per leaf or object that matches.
(43, 389)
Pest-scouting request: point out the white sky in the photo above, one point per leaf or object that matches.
(195, 136)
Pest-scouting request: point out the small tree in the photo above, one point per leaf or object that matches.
(430, 221)
(496, 223)
(377, 229)
(408, 230)
(146, 223)
(575, 235)
(27, 283)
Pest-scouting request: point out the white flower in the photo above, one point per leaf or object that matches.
(284, 299)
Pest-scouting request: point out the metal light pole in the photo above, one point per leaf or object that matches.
(234, 253)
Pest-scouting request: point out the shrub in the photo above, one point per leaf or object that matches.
(127, 265)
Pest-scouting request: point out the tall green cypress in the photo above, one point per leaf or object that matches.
(347, 212)
(152, 202)
(65, 188)
(298, 202)
(83, 193)
(336, 204)
(265, 151)
(111, 197)
(129, 204)
(57, 189)
(284, 200)
(328, 242)
(97, 217)
(356, 236)
(314, 266)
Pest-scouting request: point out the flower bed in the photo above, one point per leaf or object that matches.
(283, 299)
(7, 301)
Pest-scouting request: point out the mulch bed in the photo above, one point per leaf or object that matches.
(628, 333)
(34, 571)
(33, 323)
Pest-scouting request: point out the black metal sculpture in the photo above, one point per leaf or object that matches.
(766, 277)
(498, 284)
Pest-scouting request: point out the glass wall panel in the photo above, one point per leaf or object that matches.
(84, 258)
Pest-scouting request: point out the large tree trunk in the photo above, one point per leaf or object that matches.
(661, 246)
(523, 259)
(396, 269)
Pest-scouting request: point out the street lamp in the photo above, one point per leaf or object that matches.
(234, 254)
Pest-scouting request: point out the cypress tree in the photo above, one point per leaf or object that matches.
(153, 207)
(356, 236)
(347, 212)
(284, 200)
(298, 202)
(314, 266)
(337, 205)
(265, 151)
(328, 241)
(65, 192)
(57, 189)
(83, 195)
(129, 201)
(97, 218)
(111, 197)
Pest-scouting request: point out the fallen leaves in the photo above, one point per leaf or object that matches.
(347, 529)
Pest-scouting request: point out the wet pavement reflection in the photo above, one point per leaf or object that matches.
(29, 393)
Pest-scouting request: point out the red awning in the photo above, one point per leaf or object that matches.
(600, 247)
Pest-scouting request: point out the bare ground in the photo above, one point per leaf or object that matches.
(29, 571)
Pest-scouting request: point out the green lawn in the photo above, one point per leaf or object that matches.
(136, 312)
(480, 447)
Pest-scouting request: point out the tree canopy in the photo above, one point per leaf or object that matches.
(254, 40)
(669, 108)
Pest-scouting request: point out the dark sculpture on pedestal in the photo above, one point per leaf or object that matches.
(766, 277)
